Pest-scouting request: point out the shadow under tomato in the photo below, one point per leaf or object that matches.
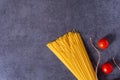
(101, 75)
(110, 37)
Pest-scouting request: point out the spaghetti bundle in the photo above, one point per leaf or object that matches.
(70, 49)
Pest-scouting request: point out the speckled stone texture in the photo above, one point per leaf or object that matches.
(26, 26)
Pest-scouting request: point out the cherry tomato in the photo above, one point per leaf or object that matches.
(103, 43)
(107, 68)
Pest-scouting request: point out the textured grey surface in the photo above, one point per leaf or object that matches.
(26, 26)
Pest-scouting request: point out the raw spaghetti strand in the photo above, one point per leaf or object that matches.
(86, 56)
(64, 45)
(76, 59)
(70, 49)
(65, 61)
(73, 40)
(76, 40)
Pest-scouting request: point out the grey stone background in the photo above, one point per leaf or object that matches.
(26, 26)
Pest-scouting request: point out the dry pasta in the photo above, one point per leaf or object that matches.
(70, 49)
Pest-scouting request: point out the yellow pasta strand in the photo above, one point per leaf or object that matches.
(71, 51)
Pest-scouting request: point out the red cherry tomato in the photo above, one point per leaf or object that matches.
(107, 68)
(103, 43)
